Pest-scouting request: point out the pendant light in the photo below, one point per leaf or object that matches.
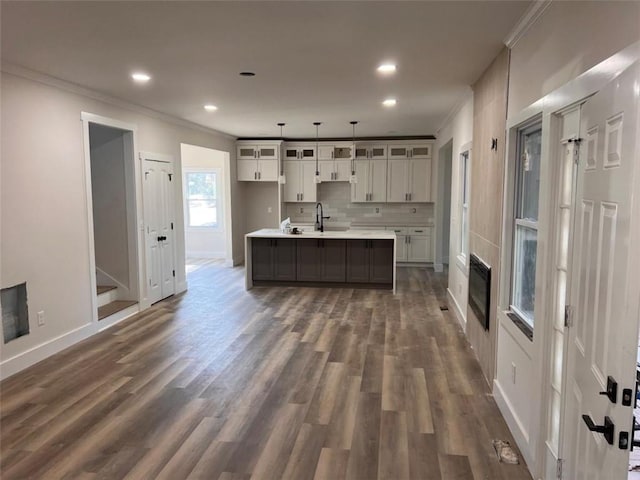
(316, 178)
(282, 179)
(353, 179)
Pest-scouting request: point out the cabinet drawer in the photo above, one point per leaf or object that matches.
(399, 230)
(419, 231)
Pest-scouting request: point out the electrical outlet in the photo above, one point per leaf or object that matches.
(41, 318)
(513, 373)
(301, 210)
(269, 209)
(377, 210)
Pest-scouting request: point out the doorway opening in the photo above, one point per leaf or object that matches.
(443, 207)
(207, 205)
(112, 202)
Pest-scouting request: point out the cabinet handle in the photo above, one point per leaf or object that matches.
(302, 196)
(418, 231)
(255, 175)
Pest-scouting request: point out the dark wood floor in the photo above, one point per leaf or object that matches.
(274, 383)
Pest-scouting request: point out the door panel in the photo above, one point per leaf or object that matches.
(150, 191)
(308, 252)
(360, 189)
(381, 261)
(358, 261)
(420, 180)
(166, 228)
(326, 170)
(378, 181)
(247, 170)
(284, 264)
(261, 258)
(308, 183)
(268, 170)
(419, 249)
(397, 180)
(333, 266)
(343, 170)
(605, 291)
(292, 188)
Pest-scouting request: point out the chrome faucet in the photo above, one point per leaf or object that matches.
(319, 219)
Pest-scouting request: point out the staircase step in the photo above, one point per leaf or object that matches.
(114, 307)
(105, 288)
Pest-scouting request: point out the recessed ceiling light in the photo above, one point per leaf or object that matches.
(210, 108)
(140, 77)
(247, 74)
(387, 68)
(389, 102)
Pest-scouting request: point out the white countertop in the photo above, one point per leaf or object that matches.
(349, 234)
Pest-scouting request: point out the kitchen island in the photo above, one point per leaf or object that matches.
(352, 258)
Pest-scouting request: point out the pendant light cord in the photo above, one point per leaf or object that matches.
(281, 139)
(353, 140)
(317, 124)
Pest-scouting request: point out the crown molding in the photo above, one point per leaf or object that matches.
(23, 72)
(535, 10)
(468, 93)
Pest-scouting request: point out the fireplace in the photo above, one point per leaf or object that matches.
(480, 289)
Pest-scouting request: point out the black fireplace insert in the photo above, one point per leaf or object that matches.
(480, 289)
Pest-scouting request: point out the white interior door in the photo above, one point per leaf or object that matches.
(158, 197)
(605, 291)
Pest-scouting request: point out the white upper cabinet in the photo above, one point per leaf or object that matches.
(299, 152)
(257, 162)
(370, 151)
(371, 181)
(409, 180)
(410, 151)
(300, 186)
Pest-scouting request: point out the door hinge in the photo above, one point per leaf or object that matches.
(174, 273)
(559, 468)
(576, 149)
(568, 316)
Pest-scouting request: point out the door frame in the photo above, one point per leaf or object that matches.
(130, 152)
(531, 438)
(145, 302)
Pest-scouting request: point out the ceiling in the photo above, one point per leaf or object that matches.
(314, 60)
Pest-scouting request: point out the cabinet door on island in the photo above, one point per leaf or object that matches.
(274, 259)
(370, 261)
(321, 260)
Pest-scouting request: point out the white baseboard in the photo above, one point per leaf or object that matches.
(438, 267)
(462, 318)
(38, 353)
(238, 261)
(518, 430)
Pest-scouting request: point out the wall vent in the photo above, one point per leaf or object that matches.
(15, 314)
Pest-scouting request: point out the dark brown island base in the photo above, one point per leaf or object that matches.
(354, 258)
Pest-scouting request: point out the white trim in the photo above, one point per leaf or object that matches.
(45, 79)
(181, 287)
(30, 357)
(535, 10)
(462, 319)
(518, 431)
(438, 267)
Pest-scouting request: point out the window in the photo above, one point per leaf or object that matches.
(464, 206)
(201, 189)
(525, 223)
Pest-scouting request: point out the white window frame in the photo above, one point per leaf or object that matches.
(521, 222)
(187, 221)
(465, 184)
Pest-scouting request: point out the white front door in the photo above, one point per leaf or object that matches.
(605, 290)
(158, 194)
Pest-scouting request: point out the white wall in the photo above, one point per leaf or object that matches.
(108, 185)
(260, 197)
(458, 130)
(207, 243)
(44, 219)
(566, 40)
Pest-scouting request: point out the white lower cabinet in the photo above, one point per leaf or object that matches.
(300, 186)
(413, 244)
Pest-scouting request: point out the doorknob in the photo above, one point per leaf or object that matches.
(607, 429)
(612, 390)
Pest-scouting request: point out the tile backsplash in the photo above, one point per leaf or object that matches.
(336, 203)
